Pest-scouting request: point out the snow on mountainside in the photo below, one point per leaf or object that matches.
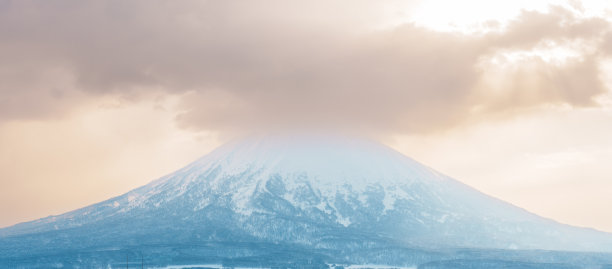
(312, 192)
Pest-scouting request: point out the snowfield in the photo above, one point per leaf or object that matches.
(290, 201)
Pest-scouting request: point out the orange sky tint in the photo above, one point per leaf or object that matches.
(513, 99)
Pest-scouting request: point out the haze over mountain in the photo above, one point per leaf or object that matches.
(330, 199)
(102, 96)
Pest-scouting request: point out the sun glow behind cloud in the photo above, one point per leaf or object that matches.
(556, 149)
(449, 80)
(480, 16)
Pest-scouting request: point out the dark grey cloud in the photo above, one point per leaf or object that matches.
(243, 65)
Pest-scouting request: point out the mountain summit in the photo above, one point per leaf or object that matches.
(324, 198)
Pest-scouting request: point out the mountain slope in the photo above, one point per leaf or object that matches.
(306, 192)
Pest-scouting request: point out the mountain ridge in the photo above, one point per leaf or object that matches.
(332, 193)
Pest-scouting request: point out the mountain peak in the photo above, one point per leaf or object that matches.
(309, 191)
(331, 159)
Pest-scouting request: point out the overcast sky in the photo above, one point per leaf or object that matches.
(512, 98)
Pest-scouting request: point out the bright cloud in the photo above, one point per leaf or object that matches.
(88, 87)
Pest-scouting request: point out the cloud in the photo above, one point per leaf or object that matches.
(243, 66)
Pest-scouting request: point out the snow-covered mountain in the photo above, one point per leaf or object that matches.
(329, 197)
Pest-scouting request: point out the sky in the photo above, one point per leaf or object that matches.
(513, 98)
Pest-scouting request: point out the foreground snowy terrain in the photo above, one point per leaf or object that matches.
(303, 201)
